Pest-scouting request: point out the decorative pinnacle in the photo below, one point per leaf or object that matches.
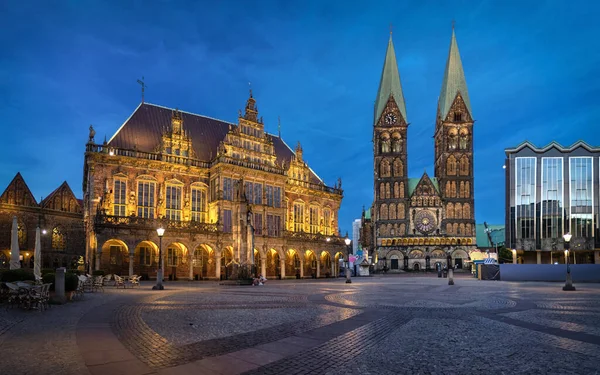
(391, 28)
(453, 23)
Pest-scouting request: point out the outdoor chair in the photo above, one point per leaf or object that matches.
(108, 278)
(80, 287)
(134, 280)
(98, 283)
(119, 281)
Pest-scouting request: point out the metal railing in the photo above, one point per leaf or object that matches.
(148, 223)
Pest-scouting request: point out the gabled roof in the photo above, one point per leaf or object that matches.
(16, 185)
(550, 145)
(144, 128)
(65, 189)
(454, 81)
(414, 182)
(389, 84)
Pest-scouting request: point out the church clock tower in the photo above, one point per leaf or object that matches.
(390, 157)
(454, 151)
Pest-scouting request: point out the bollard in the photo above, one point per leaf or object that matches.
(59, 286)
(450, 276)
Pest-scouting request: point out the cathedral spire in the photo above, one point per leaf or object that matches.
(389, 85)
(454, 81)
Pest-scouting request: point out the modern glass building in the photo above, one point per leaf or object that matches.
(551, 191)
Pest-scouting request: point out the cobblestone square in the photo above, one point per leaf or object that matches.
(377, 325)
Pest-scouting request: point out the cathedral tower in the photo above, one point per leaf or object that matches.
(389, 150)
(454, 151)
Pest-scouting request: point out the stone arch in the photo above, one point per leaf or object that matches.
(145, 258)
(326, 264)
(451, 166)
(394, 261)
(438, 254)
(176, 257)
(310, 263)
(459, 256)
(292, 262)
(115, 257)
(204, 262)
(273, 266)
(227, 261)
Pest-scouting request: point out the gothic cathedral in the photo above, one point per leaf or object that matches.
(419, 222)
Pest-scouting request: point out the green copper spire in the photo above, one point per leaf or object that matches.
(389, 84)
(454, 81)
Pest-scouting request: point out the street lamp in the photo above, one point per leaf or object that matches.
(514, 252)
(159, 275)
(348, 241)
(569, 282)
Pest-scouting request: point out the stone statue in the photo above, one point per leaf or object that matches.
(339, 183)
(92, 134)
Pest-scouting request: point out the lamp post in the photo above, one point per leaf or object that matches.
(159, 275)
(514, 252)
(569, 282)
(348, 241)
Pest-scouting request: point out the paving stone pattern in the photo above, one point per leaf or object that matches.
(377, 325)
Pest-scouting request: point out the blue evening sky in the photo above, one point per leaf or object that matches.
(532, 68)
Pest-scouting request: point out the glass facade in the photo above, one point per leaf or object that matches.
(525, 169)
(581, 194)
(552, 198)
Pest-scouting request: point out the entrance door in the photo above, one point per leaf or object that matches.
(394, 264)
(459, 263)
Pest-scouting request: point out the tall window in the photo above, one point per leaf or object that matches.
(277, 196)
(214, 189)
(146, 199)
(198, 205)
(227, 221)
(327, 219)
(249, 191)
(298, 217)
(120, 198)
(552, 198)
(269, 194)
(582, 210)
(273, 225)
(314, 219)
(145, 256)
(258, 224)
(174, 202)
(227, 189)
(257, 193)
(525, 197)
(172, 255)
(58, 239)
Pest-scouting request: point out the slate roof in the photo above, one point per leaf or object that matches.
(144, 128)
(390, 84)
(454, 81)
(413, 182)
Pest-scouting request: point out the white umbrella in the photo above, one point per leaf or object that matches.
(37, 256)
(14, 246)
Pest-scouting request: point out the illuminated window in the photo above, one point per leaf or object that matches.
(227, 189)
(58, 239)
(269, 195)
(146, 199)
(198, 205)
(258, 224)
(277, 196)
(22, 235)
(227, 221)
(327, 219)
(298, 217)
(120, 197)
(172, 255)
(173, 202)
(273, 225)
(314, 220)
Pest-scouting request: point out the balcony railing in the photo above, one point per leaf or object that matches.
(249, 164)
(151, 224)
(313, 186)
(313, 237)
(156, 156)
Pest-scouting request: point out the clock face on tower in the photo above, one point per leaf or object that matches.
(425, 221)
(390, 119)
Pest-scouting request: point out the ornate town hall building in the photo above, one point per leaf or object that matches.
(417, 222)
(226, 194)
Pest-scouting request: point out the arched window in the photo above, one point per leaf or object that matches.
(450, 210)
(401, 213)
(383, 212)
(401, 190)
(385, 143)
(392, 211)
(467, 189)
(452, 139)
(466, 211)
(463, 142)
(388, 193)
(402, 227)
(451, 166)
(458, 211)
(457, 117)
(384, 168)
(382, 190)
(58, 239)
(396, 190)
(448, 189)
(464, 166)
(397, 145)
(449, 229)
(461, 229)
(398, 166)
(453, 189)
